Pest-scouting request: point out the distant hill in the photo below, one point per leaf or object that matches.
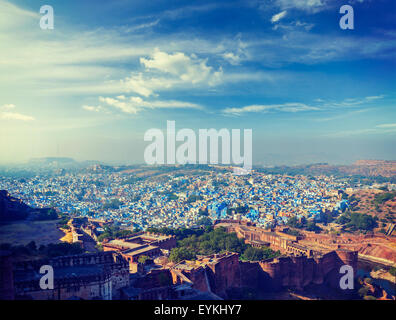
(13, 209)
(59, 163)
(374, 163)
(49, 160)
(45, 166)
(368, 168)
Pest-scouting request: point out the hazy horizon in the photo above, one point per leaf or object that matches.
(116, 163)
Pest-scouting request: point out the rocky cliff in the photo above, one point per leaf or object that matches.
(11, 208)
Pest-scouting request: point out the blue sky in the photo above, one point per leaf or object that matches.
(111, 70)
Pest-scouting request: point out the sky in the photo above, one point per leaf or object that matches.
(111, 70)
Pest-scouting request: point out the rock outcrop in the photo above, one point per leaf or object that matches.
(12, 209)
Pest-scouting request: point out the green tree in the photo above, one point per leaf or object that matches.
(142, 259)
(205, 221)
(180, 254)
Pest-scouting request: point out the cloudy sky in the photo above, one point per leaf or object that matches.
(111, 70)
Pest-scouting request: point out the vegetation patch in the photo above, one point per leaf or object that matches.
(218, 241)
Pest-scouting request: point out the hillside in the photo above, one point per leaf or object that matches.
(367, 168)
(13, 209)
(377, 203)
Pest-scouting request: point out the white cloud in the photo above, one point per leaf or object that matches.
(13, 17)
(185, 11)
(342, 115)
(295, 44)
(305, 25)
(293, 107)
(133, 105)
(235, 51)
(15, 116)
(351, 102)
(371, 98)
(145, 85)
(286, 107)
(279, 16)
(93, 108)
(121, 105)
(187, 68)
(140, 26)
(387, 125)
(7, 106)
(5, 114)
(165, 71)
(380, 129)
(231, 58)
(305, 5)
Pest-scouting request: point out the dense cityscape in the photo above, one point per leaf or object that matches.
(179, 201)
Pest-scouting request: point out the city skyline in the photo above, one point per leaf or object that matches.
(91, 87)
